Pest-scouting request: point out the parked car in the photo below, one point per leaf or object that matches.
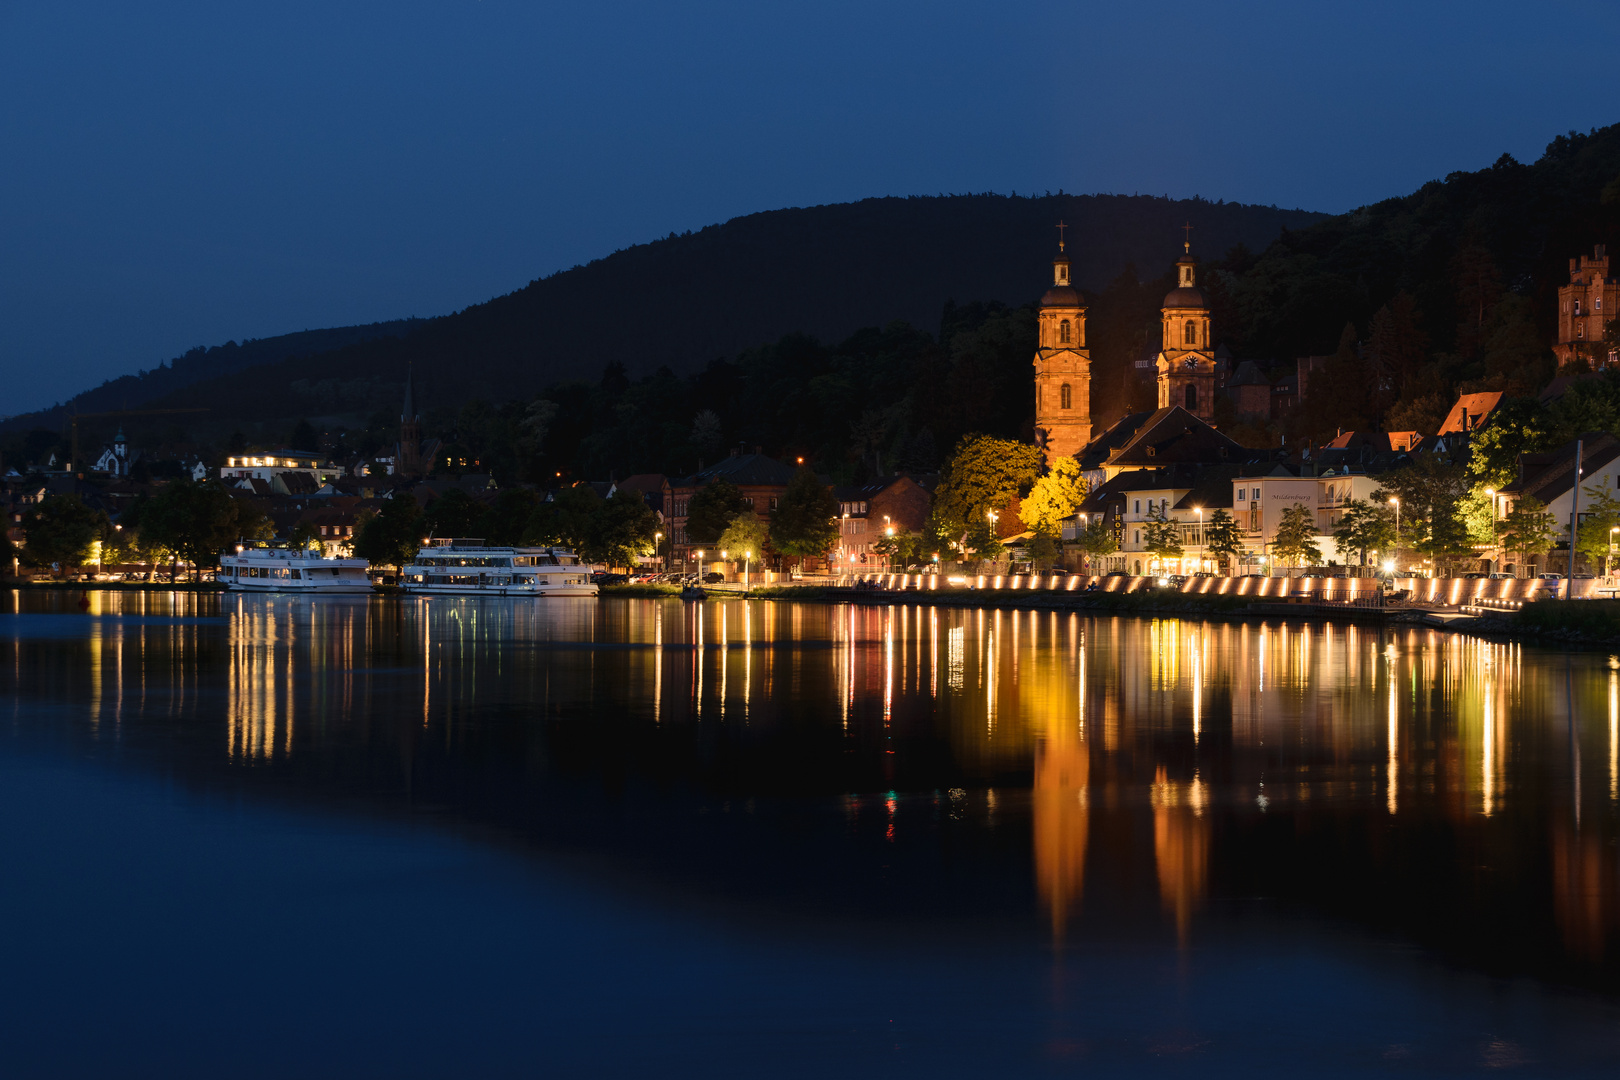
(1551, 577)
(713, 579)
(1116, 573)
(603, 577)
(1471, 575)
(1501, 577)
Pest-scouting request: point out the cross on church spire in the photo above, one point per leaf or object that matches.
(1060, 228)
(1186, 244)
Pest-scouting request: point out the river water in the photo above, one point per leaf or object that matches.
(250, 835)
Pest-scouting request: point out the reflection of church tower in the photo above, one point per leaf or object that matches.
(1062, 367)
(410, 432)
(1187, 360)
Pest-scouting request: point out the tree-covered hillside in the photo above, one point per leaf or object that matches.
(683, 301)
(1453, 286)
(137, 390)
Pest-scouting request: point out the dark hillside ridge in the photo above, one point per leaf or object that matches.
(683, 301)
(141, 389)
(1512, 227)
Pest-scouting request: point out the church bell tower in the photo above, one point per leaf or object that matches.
(1187, 358)
(1062, 366)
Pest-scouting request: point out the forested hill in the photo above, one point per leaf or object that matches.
(686, 299)
(142, 388)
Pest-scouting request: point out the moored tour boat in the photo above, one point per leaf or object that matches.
(467, 566)
(291, 570)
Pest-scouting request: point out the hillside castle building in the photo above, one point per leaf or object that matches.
(1185, 363)
(1585, 307)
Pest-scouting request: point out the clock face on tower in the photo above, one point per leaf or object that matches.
(1191, 363)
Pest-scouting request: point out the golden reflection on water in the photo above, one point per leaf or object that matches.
(1127, 728)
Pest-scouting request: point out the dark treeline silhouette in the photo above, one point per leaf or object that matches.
(1453, 287)
(682, 301)
(134, 391)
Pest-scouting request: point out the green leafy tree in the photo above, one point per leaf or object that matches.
(805, 521)
(1517, 426)
(710, 509)
(196, 521)
(1527, 530)
(980, 540)
(1445, 541)
(392, 536)
(1054, 497)
(1043, 548)
(61, 529)
(1161, 534)
(304, 534)
(1597, 537)
(1295, 541)
(621, 529)
(1365, 527)
(455, 513)
(1223, 537)
(902, 548)
(507, 518)
(566, 520)
(746, 533)
(984, 474)
(1096, 540)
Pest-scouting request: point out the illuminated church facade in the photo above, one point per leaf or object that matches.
(1185, 364)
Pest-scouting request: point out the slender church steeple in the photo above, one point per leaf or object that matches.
(408, 455)
(1062, 365)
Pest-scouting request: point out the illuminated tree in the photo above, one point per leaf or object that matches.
(304, 535)
(61, 529)
(1161, 534)
(196, 521)
(745, 533)
(1365, 527)
(1097, 538)
(1597, 534)
(1054, 497)
(1295, 541)
(1223, 537)
(1527, 530)
(984, 474)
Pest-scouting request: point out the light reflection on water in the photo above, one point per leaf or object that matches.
(1457, 792)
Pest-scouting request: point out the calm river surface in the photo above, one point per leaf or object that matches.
(254, 836)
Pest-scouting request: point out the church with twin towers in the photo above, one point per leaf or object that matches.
(1185, 364)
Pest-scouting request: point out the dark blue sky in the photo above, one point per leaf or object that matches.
(181, 174)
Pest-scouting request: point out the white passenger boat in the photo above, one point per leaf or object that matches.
(463, 566)
(291, 570)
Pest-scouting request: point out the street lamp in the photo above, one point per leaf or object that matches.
(1396, 503)
(747, 556)
(1199, 510)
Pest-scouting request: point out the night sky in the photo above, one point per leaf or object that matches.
(182, 174)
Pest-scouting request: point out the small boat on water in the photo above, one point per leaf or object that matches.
(467, 566)
(693, 592)
(291, 570)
